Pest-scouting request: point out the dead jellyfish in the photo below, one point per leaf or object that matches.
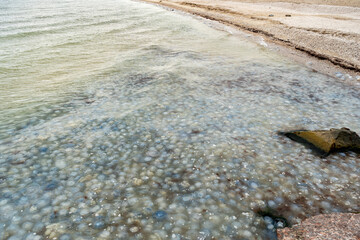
(160, 215)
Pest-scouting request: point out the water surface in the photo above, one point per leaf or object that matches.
(121, 120)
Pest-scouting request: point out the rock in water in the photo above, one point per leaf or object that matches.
(328, 141)
(333, 226)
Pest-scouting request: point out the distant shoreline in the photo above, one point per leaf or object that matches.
(323, 37)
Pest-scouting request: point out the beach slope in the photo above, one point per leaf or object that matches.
(328, 30)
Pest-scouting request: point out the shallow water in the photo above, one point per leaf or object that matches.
(121, 120)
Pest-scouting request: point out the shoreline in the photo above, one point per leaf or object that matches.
(326, 40)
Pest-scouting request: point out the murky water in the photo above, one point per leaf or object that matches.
(121, 120)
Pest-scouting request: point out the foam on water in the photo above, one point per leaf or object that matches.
(151, 125)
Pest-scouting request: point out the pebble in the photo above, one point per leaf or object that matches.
(280, 224)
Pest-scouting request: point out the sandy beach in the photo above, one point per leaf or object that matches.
(323, 34)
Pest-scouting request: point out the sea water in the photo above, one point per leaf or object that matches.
(124, 120)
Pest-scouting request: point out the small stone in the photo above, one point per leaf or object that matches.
(327, 141)
(280, 224)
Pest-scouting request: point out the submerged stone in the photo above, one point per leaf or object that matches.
(327, 141)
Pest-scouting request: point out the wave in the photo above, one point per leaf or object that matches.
(41, 31)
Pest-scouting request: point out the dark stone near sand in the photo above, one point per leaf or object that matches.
(345, 226)
(327, 141)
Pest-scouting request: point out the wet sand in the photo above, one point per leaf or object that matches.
(324, 35)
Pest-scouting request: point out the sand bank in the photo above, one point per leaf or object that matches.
(328, 31)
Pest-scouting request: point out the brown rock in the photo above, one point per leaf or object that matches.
(328, 141)
(336, 226)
